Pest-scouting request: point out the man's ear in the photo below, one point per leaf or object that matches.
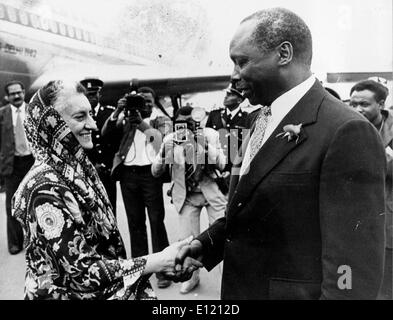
(285, 52)
(381, 104)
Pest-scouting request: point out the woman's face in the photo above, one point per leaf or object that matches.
(78, 116)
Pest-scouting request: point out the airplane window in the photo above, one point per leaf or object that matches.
(2, 12)
(53, 26)
(23, 17)
(12, 14)
(78, 33)
(35, 21)
(71, 31)
(62, 29)
(86, 36)
(44, 23)
(92, 38)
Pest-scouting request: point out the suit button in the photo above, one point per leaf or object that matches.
(99, 151)
(228, 240)
(239, 204)
(123, 157)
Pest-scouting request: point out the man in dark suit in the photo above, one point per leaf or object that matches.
(368, 98)
(305, 217)
(15, 156)
(104, 148)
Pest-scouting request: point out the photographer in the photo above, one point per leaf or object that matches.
(132, 167)
(193, 155)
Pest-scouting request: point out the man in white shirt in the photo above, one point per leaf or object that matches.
(305, 216)
(132, 167)
(15, 155)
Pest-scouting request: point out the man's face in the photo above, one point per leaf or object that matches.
(16, 95)
(94, 98)
(365, 103)
(256, 71)
(231, 101)
(149, 103)
(77, 115)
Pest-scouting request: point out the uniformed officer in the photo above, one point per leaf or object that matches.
(104, 149)
(232, 119)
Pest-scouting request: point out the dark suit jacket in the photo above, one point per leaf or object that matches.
(305, 209)
(7, 141)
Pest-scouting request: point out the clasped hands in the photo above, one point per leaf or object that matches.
(185, 257)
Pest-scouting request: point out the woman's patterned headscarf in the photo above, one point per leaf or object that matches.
(53, 143)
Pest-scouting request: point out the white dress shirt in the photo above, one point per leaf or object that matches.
(23, 116)
(96, 109)
(233, 112)
(140, 153)
(279, 109)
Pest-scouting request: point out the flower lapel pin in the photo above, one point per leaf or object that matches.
(291, 131)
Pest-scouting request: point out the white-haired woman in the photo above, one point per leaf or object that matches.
(73, 246)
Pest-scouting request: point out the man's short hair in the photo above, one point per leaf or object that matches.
(184, 111)
(147, 90)
(10, 83)
(276, 25)
(379, 90)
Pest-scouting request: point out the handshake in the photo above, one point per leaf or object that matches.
(178, 261)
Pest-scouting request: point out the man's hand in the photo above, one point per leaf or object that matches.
(121, 104)
(135, 117)
(164, 261)
(187, 261)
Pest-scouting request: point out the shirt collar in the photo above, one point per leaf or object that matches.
(233, 112)
(23, 106)
(284, 103)
(97, 108)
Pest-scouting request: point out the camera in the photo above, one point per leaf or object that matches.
(182, 132)
(188, 132)
(134, 101)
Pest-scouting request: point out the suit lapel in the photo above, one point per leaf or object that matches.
(9, 127)
(276, 148)
(387, 129)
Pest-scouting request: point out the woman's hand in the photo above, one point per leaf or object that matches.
(164, 261)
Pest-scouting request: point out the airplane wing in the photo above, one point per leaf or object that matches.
(118, 79)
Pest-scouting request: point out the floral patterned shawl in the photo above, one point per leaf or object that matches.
(73, 246)
(53, 143)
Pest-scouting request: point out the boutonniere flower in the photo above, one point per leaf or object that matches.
(291, 131)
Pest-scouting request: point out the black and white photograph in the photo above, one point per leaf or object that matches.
(200, 150)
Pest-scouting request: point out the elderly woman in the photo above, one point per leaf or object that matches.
(73, 247)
